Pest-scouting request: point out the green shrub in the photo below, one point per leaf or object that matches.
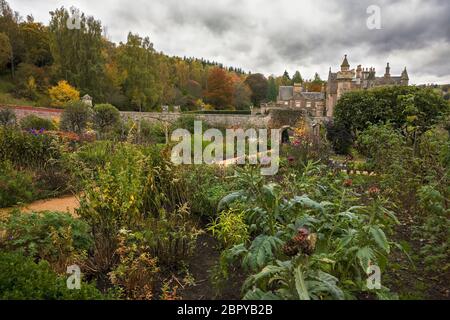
(93, 155)
(35, 150)
(75, 117)
(23, 279)
(7, 117)
(383, 145)
(340, 137)
(205, 187)
(187, 122)
(136, 192)
(33, 122)
(230, 112)
(15, 186)
(357, 110)
(230, 228)
(152, 133)
(106, 118)
(53, 236)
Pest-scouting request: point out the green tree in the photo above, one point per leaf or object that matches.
(137, 62)
(5, 50)
(9, 24)
(297, 78)
(286, 78)
(36, 40)
(272, 91)
(77, 53)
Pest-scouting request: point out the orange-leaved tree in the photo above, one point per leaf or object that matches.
(219, 90)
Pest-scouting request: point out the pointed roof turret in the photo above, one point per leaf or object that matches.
(405, 75)
(345, 63)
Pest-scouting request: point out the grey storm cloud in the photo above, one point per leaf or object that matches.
(270, 36)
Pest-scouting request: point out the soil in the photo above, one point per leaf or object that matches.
(413, 281)
(64, 204)
(205, 258)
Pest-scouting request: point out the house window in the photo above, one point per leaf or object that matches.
(308, 105)
(298, 104)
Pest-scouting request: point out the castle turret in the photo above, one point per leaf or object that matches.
(388, 71)
(359, 71)
(404, 78)
(345, 66)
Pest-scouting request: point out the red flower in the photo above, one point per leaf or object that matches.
(373, 191)
(348, 183)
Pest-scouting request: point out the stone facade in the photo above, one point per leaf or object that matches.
(362, 78)
(319, 104)
(296, 97)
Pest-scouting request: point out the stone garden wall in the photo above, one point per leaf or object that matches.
(219, 120)
(23, 111)
(274, 118)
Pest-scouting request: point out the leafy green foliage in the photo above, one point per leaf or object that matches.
(5, 51)
(152, 133)
(23, 279)
(401, 106)
(205, 187)
(340, 137)
(75, 117)
(15, 186)
(34, 122)
(136, 189)
(7, 117)
(415, 175)
(55, 237)
(106, 118)
(342, 243)
(33, 150)
(230, 228)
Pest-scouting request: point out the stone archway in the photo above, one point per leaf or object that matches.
(286, 134)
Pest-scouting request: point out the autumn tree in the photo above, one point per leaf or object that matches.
(259, 85)
(241, 95)
(63, 93)
(219, 90)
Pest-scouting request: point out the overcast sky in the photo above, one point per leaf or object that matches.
(270, 36)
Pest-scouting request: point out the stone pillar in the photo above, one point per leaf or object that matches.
(87, 100)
